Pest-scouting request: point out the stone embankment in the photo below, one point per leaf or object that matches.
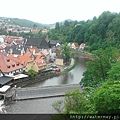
(39, 77)
(44, 92)
(42, 76)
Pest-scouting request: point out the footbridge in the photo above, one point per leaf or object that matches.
(44, 92)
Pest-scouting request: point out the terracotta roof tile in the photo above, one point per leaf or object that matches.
(40, 59)
(23, 59)
(7, 64)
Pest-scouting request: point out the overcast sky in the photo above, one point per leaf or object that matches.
(52, 11)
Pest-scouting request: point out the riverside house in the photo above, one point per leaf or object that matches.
(9, 66)
(30, 61)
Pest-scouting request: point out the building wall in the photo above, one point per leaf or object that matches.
(47, 58)
(31, 65)
(42, 67)
(35, 67)
(14, 72)
(59, 61)
(1, 39)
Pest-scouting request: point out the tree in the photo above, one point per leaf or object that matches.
(67, 52)
(57, 26)
(106, 99)
(66, 23)
(114, 73)
(32, 73)
(98, 69)
(75, 102)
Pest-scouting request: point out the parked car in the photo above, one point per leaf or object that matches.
(57, 69)
(54, 66)
(65, 68)
(51, 60)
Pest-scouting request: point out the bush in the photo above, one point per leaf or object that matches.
(32, 73)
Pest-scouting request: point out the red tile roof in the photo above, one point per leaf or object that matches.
(29, 57)
(23, 59)
(40, 59)
(9, 39)
(32, 48)
(7, 64)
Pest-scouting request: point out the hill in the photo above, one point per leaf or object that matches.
(25, 23)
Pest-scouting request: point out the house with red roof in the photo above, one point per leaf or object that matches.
(30, 61)
(8, 66)
(82, 46)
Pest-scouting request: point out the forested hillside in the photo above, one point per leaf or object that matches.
(27, 23)
(98, 33)
(101, 81)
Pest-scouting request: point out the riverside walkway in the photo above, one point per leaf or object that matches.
(44, 92)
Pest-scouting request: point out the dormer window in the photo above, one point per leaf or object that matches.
(13, 65)
(8, 66)
(17, 64)
(8, 60)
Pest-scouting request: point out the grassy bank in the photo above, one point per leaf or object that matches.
(68, 69)
(86, 52)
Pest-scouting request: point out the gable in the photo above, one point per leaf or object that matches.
(44, 44)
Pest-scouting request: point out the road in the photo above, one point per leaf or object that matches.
(44, 92)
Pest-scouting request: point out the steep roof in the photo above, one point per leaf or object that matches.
(45, 52)
(55, 41)
(23, 59)
(40, 60)
(7, 64)
(5, 79)
(16, 49)
(39, 42)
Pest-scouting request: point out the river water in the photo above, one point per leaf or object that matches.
(43, 106)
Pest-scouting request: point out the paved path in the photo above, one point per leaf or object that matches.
(44, 92)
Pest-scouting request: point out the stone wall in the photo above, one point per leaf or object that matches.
(28, 81)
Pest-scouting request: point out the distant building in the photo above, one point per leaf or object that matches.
(44, 31)
(82, 46)
(54, 43)
(75, 45)
(1, 39)
(40, 43)
(35, 30)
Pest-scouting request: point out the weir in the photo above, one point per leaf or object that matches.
(44, 92)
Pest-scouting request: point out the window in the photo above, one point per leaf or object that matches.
(13, 65)
(17, 64)
(8, 60)
(8, 66)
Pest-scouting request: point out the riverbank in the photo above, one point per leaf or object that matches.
(43, 106)
(86, 52)
(70, 67)
(43, 76)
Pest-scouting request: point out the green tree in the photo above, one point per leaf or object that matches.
(32, 73)
(75, 102)
(98, 69)
(67, 52)
(114, 73)
(66, 23)
(57, 26)
(106, 99)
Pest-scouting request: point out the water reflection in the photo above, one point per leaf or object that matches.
(43, 106)
(72, 77)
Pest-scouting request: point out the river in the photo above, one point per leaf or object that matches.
(42, 106)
